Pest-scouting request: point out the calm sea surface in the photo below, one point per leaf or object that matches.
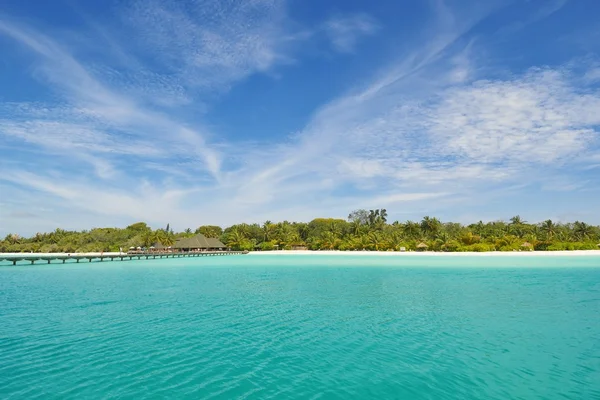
(293, 327)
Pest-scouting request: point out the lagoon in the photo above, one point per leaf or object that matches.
(268, 326)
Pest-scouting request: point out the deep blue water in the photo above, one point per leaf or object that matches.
(261, 327)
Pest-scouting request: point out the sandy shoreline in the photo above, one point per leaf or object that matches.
(431, 253)
(584, 253)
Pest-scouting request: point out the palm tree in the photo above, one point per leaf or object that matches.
(411, 229)
(148, 238)
(334, 228)
(268, 229)
(395, 240)
(168, 239)
(328, 240)
(469, 238)
(13, 238)
(158, 236)
(244, 229)
(375, 240)
(582, 230)
(516, 220)
(549, 228)
(478, 228)
(188, 231)
(430, 226)
(355, 227)
(286, 235)
(302, 229)
(383, 214)
(235, 238)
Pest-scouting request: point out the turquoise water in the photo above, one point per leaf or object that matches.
(260, 327)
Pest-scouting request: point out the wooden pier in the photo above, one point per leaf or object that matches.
(48, 258)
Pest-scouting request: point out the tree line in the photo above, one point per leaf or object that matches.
(362, 230)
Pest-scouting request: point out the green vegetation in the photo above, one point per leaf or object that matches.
(364, 230)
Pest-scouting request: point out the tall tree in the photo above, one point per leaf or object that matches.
(549, 228)
(360, 216)
(430, 226)
(411, 229)
(516, 220)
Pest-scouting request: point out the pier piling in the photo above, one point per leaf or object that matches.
(32, 258)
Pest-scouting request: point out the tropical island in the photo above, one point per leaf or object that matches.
(363, 230)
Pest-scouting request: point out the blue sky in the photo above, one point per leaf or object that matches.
(218, 112)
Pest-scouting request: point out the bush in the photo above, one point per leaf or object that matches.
(542, 246)
(267, 246)
(586, 246)
(478, 247)
(451, 246)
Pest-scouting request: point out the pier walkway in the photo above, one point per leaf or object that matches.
(48, 258)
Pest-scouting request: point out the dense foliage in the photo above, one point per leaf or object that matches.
(364, 230)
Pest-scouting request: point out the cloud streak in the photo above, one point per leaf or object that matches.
(100, 104)
(346, 31)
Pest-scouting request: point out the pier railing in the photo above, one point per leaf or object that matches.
(49, 258)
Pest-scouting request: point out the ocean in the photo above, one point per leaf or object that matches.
(302, 327)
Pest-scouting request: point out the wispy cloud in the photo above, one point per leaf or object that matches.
(543, 9)
(537, 118)
(211, 44)
(346, 31)
(102, 105)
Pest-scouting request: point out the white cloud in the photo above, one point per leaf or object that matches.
(593, 75)
(537, 118)
(211, 43)
(346, 31)
(69, 138)
(106, 108)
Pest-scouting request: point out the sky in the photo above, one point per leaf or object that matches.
(194, 112)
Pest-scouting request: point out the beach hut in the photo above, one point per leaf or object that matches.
(199, 243)
(159, 247)
(527, 246)
(402, 248)
(422, 247)
(184, 244)
(215, 244)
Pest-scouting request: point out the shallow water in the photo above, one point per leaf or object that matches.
(303, 327)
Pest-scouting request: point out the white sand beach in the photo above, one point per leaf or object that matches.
(572, 253)
(430, 253)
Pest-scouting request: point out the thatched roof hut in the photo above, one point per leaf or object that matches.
(215, 243)
(199, 242)
(422, 246)
(527, 246)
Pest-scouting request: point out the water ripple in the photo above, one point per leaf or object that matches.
(272, 332)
